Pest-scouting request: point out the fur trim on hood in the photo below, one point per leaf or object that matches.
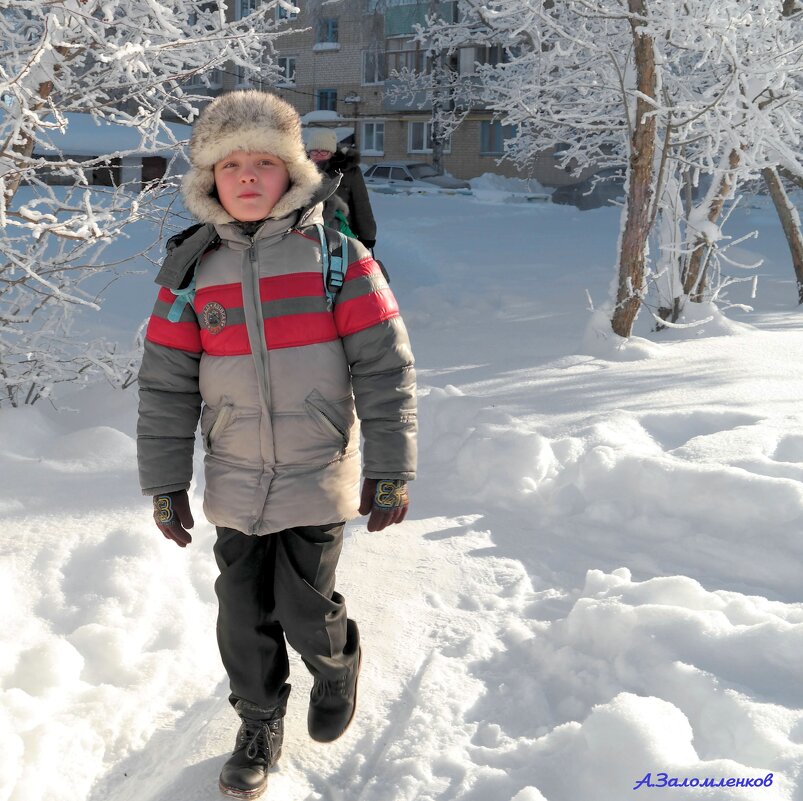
(252, 121)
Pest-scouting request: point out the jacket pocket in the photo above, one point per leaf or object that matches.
(215, 424)
(327, 415)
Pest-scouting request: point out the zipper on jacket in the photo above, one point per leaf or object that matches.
(259, 350)
(262, 350)
(328, 422)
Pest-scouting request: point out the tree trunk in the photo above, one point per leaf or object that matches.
(24, 149)
(694, 279)
(633, 246)
(437, 103)
(437, 113)
(789, 222)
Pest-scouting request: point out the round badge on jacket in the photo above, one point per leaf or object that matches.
(213, 317)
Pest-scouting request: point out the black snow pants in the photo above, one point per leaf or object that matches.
(274, 587)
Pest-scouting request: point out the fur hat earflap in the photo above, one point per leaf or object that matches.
(251, 121)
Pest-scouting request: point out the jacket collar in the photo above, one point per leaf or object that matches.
(185, 250)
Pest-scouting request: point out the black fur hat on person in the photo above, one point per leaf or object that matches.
(251, 121)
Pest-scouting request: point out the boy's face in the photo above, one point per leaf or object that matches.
(249, 184)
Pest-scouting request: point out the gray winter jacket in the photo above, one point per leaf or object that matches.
(281, 383)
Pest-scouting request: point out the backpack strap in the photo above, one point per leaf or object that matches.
(183, 297)
(184, 253)
(334, 262)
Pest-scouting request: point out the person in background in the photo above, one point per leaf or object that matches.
(322, 149)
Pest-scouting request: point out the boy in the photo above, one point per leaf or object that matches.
(243, 336)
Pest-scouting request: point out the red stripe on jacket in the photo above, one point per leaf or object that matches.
(360, 313)
(366, 266)
(227, 295)
(288, 331)
(364, 311)
(295, 330)
(295, 285)
(231, 340)
(182, 336)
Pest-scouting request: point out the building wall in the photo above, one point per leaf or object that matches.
(340, 67)
(337, 67)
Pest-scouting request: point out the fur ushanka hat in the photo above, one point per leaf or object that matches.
(252, 121)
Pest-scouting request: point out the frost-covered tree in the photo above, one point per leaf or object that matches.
(127, 64)
(744, 75)
(672, 90)
(792, 11)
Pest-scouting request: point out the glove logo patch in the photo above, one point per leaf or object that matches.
(163, 509)
(390, 494)
(213, 317)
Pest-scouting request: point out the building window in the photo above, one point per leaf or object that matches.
(246, 7)
(206, 80)
(283, 13)
(327, 99)
(493, 55)
(419, 138)
(404, 53)
(373, 138)
(493, 136)
(244, 76)
(287, 70)
(326, 32)
(373, 66)
(469, 58)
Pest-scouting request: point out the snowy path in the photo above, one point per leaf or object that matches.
(418, 628)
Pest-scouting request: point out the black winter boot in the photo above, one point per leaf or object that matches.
(257, 748)
(332, 703)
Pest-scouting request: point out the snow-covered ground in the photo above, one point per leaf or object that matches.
(597, 589)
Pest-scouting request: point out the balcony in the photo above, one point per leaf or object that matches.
(400, 20)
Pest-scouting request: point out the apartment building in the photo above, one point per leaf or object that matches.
(338, 58)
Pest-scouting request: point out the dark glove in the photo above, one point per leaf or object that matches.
(369, 243)
(387, 501)
(171, 511)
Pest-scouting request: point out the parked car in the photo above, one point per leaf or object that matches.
(411, 175)
(600, 189)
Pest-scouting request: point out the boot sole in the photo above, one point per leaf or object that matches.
(233, 792)
(354, 708)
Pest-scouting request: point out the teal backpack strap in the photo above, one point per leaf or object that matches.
(334, 273)
(183, 297)
(184, 254)
(337, 274)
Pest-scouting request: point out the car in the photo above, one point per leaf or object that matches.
(604, 188)
(412, 176)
